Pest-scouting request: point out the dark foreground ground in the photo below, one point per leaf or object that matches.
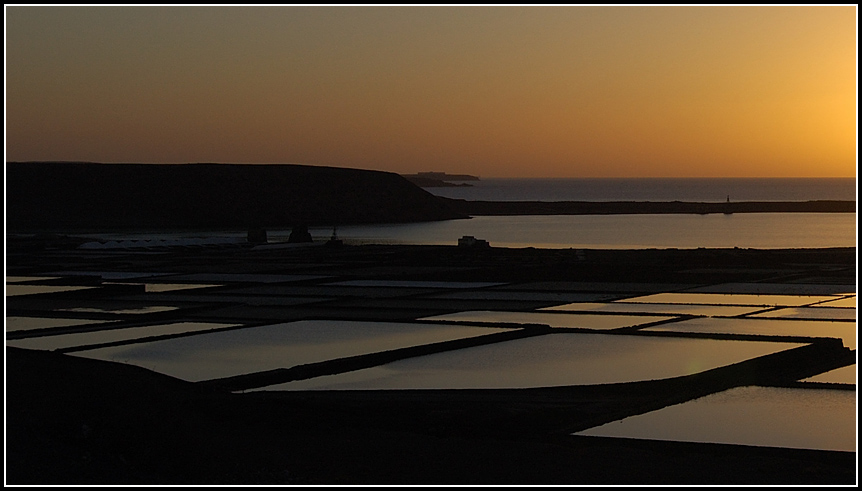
(72, 420)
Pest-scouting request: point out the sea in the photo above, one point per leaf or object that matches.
(705, 190)
(744, 230)
(639, 231)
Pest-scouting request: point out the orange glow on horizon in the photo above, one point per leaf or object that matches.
(491, 91)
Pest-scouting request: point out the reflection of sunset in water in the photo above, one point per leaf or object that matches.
(762, 416)
(111, 335)
(730, 299)
(240, 351)
(548, 360)
(846, 331)
(584, 321)
(843, 375)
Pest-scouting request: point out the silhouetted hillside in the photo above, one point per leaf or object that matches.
(74, 196)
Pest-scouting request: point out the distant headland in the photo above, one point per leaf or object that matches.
(76, 196)
(439, 179)
(79, 195)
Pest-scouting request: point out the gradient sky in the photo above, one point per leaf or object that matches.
(492, 91)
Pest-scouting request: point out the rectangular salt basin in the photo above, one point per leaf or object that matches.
(15, 289)
(760, 416)
(416, 284)
(326, 291)
(249, 300)
(22, 279)
(164, 287)
(595, 286)
(731, 299)
(771, 327)
(825, 313)
(245, 278)
(843, 375)
(109, 275)
(584, 321)
(776, 289)
(111, 335)
(136, 310)
(657, 308)
(842, 302)
(549, 360)
(526, 296)
(236, 352)
(29, 323)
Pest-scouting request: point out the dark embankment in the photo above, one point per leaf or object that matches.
(75, 196)
(643, 207)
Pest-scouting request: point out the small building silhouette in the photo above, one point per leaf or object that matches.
(334, 241)
(470, 241)
(299, 234)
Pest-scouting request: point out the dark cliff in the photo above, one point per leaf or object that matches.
(77, 196)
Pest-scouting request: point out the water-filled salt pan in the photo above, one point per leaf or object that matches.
(16, 289)
(416, 284)
(138, 310)
(253, 349)
(843, 302)
(585, 321)
(165, 287)
(761, 416)
(110, 275)
(657, 308)
(776, 289)
(527, 296)
(29, 323)
(111, 335)
(21, 279)
(248, 278)
(843, 375)
(326, 291)
(825, 313)
(249, 300)
(771, 327)
(731, 299)
(554, 359)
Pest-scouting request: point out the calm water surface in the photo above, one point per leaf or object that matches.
(560, 319)
(239, 351)
(762, 416)
(745, 230)
(654, 189)
(111, 335)
(546, 361)
(846, 331)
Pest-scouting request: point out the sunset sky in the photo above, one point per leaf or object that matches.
(491, 91)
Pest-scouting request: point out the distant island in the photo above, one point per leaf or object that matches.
(439, 179)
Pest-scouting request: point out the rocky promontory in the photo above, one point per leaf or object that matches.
(76, 196)
(440, 179)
